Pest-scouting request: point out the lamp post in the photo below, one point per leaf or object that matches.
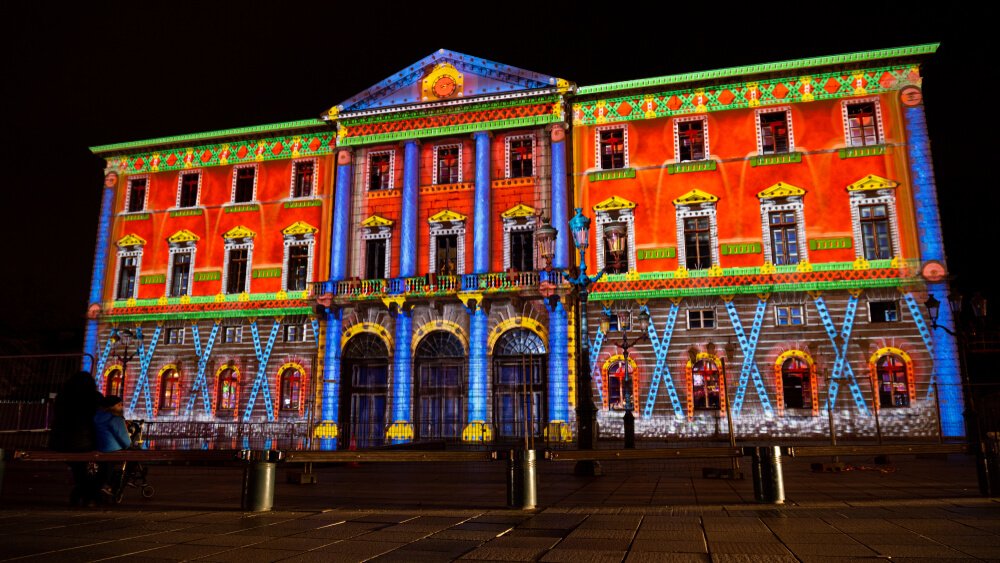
(623, 326)
(123, 336)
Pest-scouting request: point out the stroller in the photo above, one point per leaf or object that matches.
(133, 474)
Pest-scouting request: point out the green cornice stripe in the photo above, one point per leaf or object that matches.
(451, 130)
(351, 121)
(796, 64)
(236, 132)
(198, 315)
(748, 289)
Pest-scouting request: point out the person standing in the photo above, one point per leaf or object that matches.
(73, 431)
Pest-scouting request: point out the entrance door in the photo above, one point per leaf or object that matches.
(440, 359)
(519, 359)
(363, 393)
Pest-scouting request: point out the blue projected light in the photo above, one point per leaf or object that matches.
(560, 210)
(408, 214)
(402, 369)
(341, 216)
(478, 323)
(100, 267)
(558, 365)
(331, 365)
(481, 221)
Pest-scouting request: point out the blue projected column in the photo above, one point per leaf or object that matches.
(946, 365)
(408, 215)
(560, 211)
(481, 219)
(558, 373)
(339, 238)
(477, 430)
(401, 429)
(327, 430)
(100, 266)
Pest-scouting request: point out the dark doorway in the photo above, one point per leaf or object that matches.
(440, 361)
(363, 392)
(519, 360)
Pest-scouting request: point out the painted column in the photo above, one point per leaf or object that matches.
(408, 215)
(477, 430)
(99, 271)
(327, 430)
(339, 238)
(401, 429)
(560, 195)
(481, 215)
(558, 379)
(946, 364)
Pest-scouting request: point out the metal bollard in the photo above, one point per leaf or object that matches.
(773, 484)
(756, 472)
(258, 479)
(522, 481)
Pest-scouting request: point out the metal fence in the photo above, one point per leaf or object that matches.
(28, 387)
(211, 435)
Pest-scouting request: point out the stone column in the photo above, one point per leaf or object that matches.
(408, 214)
(401, 429)
(99, 272)
(560, 198)
(481, 215)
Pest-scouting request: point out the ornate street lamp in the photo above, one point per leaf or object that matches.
(624, 326)
(615, 236)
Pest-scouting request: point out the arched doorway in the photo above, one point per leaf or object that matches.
(519, 360)
(363, 392)
(440, 386)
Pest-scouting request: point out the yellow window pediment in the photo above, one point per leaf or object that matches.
(131, 240)
(780, 189)
(614, 203)
(377, 221)
(446, 216)
(299, 228)
(519, 210)
(238, 232)
(872, 182)
(183, 235)
(694, 197)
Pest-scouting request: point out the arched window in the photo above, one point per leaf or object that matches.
(893, 383)
(291, 390)
(796, 384)
(116, 383)
(616, 385)
(705, 385)
(519, 360)
(440, 360)
(170, 382)
(363, 392)
(228, 387)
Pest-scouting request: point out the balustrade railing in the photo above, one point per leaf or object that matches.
(437, 284)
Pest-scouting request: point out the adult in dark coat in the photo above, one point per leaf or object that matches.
(73, 431)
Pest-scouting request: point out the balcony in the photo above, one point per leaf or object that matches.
(431, 285)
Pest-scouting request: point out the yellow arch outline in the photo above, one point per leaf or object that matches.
(159, 384)
(606, 376)
(884, 351)
(618, 358)
(303, 382)
(109, 369)
(517, 322)
(689, 380)
(214, 397)
(450, 327)
(373, 328)
(911, 386)
(779, 390)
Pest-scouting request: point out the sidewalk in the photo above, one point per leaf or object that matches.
(926, 509)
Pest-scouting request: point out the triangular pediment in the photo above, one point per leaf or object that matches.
(872, 182)
(781, 189)
(182, 236)
(239, 232)
(131, 240)
(299, 228)
(377, 221)
(446, 75)
(695, 197)
(446, 216)
(519, 210)
(614, 203)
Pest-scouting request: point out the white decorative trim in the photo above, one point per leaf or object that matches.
(878, 118)
(788, 120)
(597, 144)
(291, 189)
(237, 244)
(885, 197)
(437, 230)
(128, 194)
(705, 209)
(792, 203)
(437, 149)
(506, 154)
(180, 188)
(180, 248)
(605, 218)
(256, 178)
(513, 225)
(383, 233)
(715, 318)
(307, 240)
(803, 310)
(677, 140)
(128, 252)
(392, 168)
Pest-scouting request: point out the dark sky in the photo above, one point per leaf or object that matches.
(82, 76)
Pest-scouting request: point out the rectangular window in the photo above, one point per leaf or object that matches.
(448, 165)
(302, 184)
(180, 273)
(175, 336)
(447, 255)
(784, 238)
(522, 251)
(612, 148)
(883, 311)
(245, 180)
(875, 231)
(697, 243)
(691, 140)
(127, 274)
(189, 190)
(295, 333)
(297, 267)
(862, 124)
(701, 318)
(521, 157)
(789, 315)
(237, 272)
(616, 262)
(232, 334)
(380, 171)
(774, 132)
(375, 258)
(136, 195)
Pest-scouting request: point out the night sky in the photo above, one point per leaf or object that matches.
(84, 76)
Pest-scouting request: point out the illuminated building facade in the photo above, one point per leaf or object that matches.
(373, 275)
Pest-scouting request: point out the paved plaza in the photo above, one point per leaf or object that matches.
(919, 509)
